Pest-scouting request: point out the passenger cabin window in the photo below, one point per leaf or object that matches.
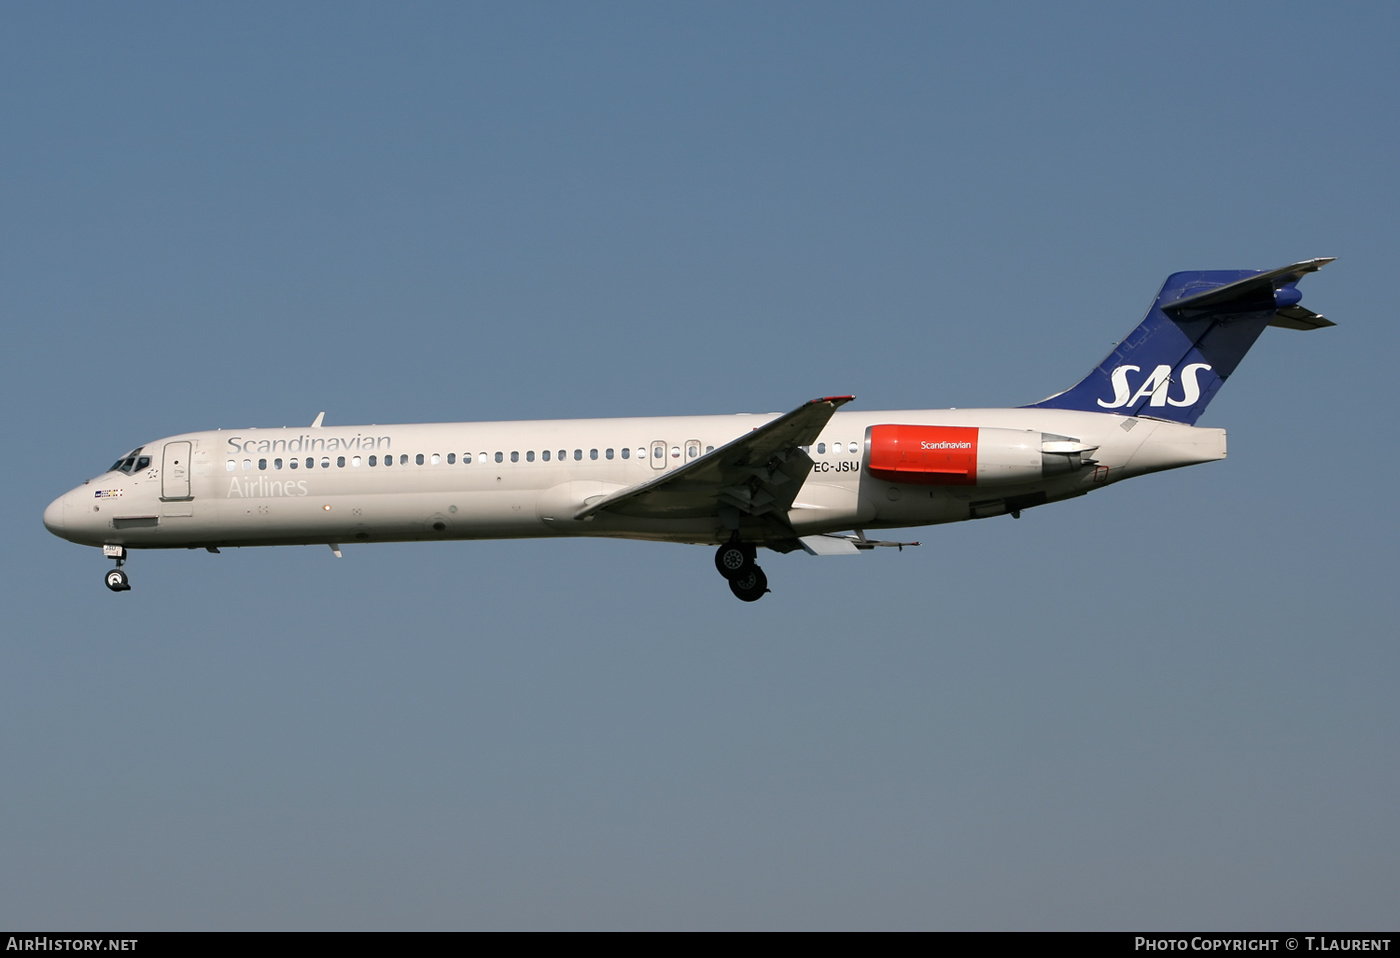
(418, 459)
(545, 455)
(592, 454)
(515, 457)
(437, 460)
(530, 456)
(451, 458)
(626, 452)
(500, 457)
(340, 462)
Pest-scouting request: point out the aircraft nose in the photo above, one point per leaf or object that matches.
(53, 516)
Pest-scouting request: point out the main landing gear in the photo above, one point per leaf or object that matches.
(116, 579)
(735, 561)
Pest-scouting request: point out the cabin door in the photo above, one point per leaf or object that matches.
(175, 472)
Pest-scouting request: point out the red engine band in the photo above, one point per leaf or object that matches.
(927, 455)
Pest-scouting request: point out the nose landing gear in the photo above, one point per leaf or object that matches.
(116, 579)
(735, 561)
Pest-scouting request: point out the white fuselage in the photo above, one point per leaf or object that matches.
(341, 484)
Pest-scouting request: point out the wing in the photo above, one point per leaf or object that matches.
(755, 475)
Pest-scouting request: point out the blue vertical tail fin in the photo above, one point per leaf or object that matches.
(1197, 331)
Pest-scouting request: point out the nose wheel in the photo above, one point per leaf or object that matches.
(116, 579)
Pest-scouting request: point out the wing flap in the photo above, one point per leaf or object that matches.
(833, 544)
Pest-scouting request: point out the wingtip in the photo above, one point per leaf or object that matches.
(834, 400)
(1317, 262)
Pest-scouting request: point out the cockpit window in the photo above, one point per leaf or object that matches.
(131, 462)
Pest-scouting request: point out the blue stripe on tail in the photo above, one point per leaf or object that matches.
(1197, 331)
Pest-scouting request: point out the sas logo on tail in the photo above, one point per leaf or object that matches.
(1155, 386)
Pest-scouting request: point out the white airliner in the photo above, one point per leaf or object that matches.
(817, 478)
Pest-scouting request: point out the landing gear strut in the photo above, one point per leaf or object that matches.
(735, 561)
(116, 579)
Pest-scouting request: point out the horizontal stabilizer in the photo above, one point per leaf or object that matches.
(1248, 295)
(1299, 317)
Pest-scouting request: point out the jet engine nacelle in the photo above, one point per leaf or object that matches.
(970, 455)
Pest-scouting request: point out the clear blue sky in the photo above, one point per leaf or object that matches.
(1169, 705)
